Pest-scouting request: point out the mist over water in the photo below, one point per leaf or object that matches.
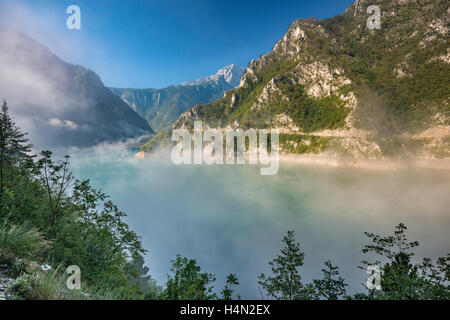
(231, 219)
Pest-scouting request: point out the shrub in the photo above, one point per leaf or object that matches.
(23, 286)
(39, 285)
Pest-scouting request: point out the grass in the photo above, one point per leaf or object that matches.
(21, 242)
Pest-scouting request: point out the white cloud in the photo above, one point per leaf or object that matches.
(55, 122)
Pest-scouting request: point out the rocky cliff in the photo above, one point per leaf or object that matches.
(335, 85)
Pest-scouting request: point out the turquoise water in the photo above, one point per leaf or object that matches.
(232, 220)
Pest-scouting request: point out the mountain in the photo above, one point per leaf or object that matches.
(335, 85)
(161, 107)
(230, 74)
(58, 103)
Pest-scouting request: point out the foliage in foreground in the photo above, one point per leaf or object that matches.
(47, 216)
(401, 278)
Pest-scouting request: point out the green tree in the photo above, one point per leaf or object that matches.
(155, 291)
(437, 278)
(286, 282)
(331, 286)
(57, 180)
(14, 152)
(139, 273)
(187, 282)
(401, 279)
(104, 242)
(227, 292)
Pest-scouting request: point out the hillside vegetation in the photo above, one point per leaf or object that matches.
(338, 76)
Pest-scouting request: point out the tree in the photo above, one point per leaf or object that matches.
(105, 241)
(187, 282)
(57, 180)
(286, 282)
(397, 273)
(155, 291)
(227, 292)
(139, 273)
(14, 151)
(437, 278)
(329, 287)
(400, 278)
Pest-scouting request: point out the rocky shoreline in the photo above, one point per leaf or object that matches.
(372, 164)
(329, 160)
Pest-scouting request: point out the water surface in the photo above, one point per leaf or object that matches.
(232, 220)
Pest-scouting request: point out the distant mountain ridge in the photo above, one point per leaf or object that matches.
(60, 104)
(161, 107)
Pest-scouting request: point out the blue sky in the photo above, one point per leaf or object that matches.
(156, 43)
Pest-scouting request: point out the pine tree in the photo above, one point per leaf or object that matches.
(14, 151)
(331, 286)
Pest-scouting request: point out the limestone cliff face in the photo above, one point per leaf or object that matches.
(368, 93)
(292, 64)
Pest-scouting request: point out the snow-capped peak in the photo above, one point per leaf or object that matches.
(231, 74)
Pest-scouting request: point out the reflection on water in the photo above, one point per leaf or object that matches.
(232, 220)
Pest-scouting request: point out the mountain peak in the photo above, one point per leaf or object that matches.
(231, 74)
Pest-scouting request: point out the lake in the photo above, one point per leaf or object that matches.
(231, 219)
